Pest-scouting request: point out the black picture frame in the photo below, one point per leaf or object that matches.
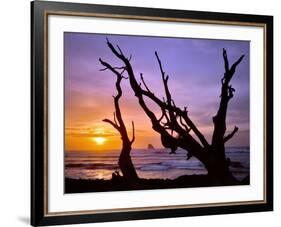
(39, 12)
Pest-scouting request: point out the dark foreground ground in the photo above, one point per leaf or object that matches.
(118, 184)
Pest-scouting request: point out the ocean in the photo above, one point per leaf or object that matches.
(152, 163)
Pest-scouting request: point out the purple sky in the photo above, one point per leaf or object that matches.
(195, 67)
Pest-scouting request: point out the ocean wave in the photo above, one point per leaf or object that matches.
(154, 168)
(92, 166)
(149, 163)
(182, 163)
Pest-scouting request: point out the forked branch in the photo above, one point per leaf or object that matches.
(230, 135)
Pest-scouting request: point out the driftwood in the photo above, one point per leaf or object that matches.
(125, 161)
(175, 125)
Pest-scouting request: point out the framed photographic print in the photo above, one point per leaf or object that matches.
(142, 113)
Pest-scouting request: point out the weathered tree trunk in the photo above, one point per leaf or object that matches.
(220, 167)
(174, 125)
(126, 165)
(125, 162)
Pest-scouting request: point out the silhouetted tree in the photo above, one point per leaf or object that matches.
(125, 162)
(175, 125)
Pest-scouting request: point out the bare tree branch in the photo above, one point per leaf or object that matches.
(167, 140)
(177, 120)
(112, 123)
(125, 163)
(226, 94)
(114, 118)
(230, 135)
(225, 58)
(146, 87)
(104, 69)
(233, 67)
(117, 114)
(184, 125)
(133, 128)
(175, 111)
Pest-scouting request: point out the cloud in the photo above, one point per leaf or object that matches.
(88, 132)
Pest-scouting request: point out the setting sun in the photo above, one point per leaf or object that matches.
(99, 140)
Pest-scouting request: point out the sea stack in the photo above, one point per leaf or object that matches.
(149, 147)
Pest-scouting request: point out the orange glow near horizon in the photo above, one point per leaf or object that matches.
(95, 139)
(99, 140)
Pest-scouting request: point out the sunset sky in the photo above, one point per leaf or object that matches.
(195, 67)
